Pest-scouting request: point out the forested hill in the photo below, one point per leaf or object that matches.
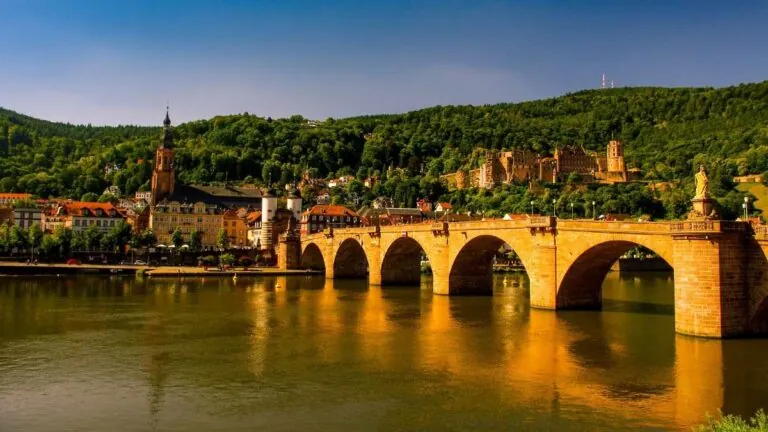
(666, 132)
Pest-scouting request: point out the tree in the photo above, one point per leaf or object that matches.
(18, 238)
(222, 240)
(89, 197)
(148, 238)
(50, 247)
(92, 237)
(35, 234)
(119, 236)
(63, 236)
(195, 241)
(226, 259)
(177, 238)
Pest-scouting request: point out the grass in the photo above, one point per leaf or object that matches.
(760, 192)
(731, 423)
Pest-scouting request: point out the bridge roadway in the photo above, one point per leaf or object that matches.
(721, 282)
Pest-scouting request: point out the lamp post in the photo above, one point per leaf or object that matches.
(554, 207)
(571, 210)
(593, 210)
(531, 208)
(746, 207)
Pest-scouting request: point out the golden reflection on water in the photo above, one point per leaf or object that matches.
(624, 363)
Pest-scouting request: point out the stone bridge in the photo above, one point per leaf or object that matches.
(720, 276)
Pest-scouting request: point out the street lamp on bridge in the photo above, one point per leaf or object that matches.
(593, 210)
(554, 207)
(531, 207)
(571, 210)
(746, 207)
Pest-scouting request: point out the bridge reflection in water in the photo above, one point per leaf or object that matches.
(289, 352)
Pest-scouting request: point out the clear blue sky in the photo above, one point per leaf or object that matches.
(112, 62)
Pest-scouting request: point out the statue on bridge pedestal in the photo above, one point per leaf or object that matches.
(702, 183)
(703, 204)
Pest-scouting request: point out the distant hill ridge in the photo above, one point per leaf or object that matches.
(666, 132)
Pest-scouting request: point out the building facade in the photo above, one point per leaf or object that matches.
(525, 166)
(320, 217)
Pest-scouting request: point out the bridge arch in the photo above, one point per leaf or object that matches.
(471, 270)
(312, 257)
(580, 286)
(350, 261)
(401, 262)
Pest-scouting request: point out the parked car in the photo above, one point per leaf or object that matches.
(139, 262)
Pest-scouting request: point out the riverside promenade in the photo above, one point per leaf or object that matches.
(23, 268)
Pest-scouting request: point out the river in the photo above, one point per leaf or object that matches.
(96, 353)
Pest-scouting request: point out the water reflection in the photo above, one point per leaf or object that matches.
(314, 354)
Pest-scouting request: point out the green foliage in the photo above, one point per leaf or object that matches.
(209, 260)
(119, 236)
(89, 197)
(222, 240)
(731, 423)
(195, 241)
(227, 259)
(667, 133)
(177, 238)
(35, 234)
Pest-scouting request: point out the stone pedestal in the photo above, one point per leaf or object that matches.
(289, 254)
(703, 208)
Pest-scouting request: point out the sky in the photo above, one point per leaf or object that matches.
(121, 61)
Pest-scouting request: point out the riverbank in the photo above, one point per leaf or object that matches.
(22, 268)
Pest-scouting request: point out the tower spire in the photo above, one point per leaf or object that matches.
(167, 121)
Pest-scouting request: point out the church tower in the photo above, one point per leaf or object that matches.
(163, 176)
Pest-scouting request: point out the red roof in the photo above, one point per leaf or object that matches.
(331, 210)
(15, 196)
(253, 216)
(89, 209)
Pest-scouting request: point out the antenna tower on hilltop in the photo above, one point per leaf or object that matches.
(602, 82)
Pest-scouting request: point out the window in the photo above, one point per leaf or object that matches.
(111, 223)
(314, 217)
(347, 218)
(98, 223)
(77, 222)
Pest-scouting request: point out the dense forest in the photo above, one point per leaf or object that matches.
(667, 133)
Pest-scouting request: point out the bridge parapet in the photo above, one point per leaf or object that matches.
(708, 227)
(653, 228)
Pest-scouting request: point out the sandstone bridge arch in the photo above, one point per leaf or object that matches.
(720, 267)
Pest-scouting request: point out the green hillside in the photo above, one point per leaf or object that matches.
(667, 132)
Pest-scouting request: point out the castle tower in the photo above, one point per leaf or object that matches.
(163, 176)
(293, 203)
(615, 160)
(268, 209)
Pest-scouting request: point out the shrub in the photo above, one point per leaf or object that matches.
(732, 423)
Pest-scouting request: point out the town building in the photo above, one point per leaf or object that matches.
(320, 217)
(443, 207)
(79, 215)
(235, 224)
(7, 199)
(190, 207)
(144, 195)
(26, 215)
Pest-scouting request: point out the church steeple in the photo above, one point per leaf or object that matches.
(164, 176)
(167, 132)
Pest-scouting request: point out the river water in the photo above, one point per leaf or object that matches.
(95, 353)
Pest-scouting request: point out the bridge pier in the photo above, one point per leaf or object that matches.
(711, 299)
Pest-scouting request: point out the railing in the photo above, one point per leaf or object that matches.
(708, 226)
